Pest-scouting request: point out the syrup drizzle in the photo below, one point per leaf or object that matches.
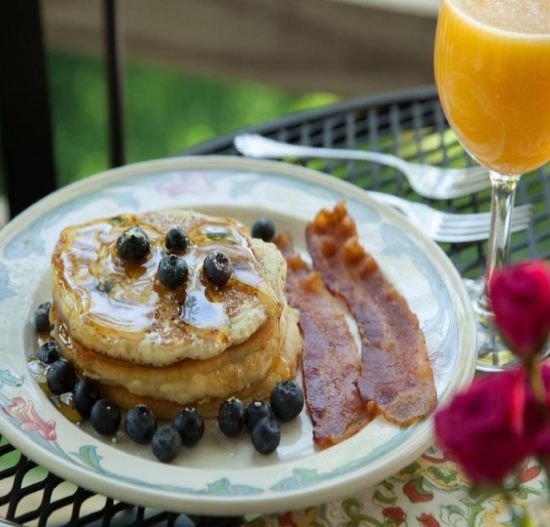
(121, 297)
(128, 297)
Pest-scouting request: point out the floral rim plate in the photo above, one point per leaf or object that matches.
(222, 476)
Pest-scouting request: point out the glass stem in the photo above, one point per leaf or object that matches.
(498, 251)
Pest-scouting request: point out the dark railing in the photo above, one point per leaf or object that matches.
(26, 132)
(25, 115)
(113, 62)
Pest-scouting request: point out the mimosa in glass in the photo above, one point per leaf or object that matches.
(492, 69)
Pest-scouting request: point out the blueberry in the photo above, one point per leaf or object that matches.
(255, 411)
(48, 352)
(166, 443)
(190, 425)
(217, 268)
(231, 417)
(140, 424)
(42, 317)
(173, 271)
(105, 416)
(176, 240)
(61, 377)
(85, 395)
(287, 400)
(133, 244)
(266, 435)
(263, 229)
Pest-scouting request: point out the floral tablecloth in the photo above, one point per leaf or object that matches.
(431, 492)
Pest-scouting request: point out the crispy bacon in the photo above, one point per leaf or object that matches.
(330, 357)
(397, 374)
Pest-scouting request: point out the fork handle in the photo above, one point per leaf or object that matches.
(277, 149)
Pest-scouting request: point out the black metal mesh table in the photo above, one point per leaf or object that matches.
(409, 124)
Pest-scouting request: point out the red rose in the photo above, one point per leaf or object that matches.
(488, 429)
(520, 297)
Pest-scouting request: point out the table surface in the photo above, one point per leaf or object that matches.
(430, 492)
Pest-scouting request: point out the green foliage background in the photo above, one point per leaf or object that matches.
(166, 111)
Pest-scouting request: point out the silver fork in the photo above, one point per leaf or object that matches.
(449, 227)
(427, 180)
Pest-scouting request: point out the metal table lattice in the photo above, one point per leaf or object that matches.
(409, 124)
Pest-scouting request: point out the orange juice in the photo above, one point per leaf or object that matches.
(492, 69)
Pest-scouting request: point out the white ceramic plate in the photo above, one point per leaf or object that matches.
(222, 476)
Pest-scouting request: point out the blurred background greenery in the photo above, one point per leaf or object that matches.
(166, 111)
(201, 68)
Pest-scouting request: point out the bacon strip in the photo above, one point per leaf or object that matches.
(397, 374)
(330, 359)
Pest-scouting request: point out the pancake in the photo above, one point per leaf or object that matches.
(187, 380)
(195, 345)
(121, 311)
(283, 367)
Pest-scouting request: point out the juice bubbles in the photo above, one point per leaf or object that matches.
(492, 69)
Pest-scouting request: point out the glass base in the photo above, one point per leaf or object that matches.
(492, 354)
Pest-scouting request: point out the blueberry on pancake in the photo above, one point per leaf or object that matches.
(133, 245)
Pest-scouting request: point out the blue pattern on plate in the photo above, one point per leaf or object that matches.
(89, 457)
(10, 379)
(307, 477)
(244, 187)
(362, 212)
(5, 290)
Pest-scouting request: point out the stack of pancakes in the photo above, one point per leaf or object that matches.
(193, 346)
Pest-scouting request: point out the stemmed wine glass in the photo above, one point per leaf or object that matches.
(492, 70)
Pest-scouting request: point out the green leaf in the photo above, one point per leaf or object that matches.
(89, 456)
(447, 477)
(410, 469)
(7, 377)
(353, 509)
(385, 500)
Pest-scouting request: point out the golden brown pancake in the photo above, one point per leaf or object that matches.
(282, 368)
(122, 311)
(187, 380)
(196, 345)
